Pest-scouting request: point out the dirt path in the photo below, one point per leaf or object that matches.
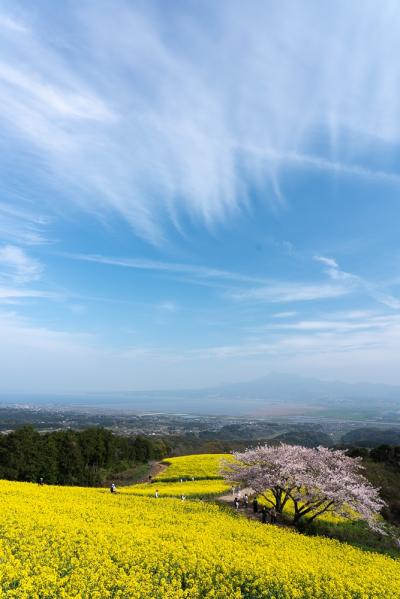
(155, 469)
(229, 497)
(242, 510)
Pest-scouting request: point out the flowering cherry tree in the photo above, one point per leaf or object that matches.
(313, 481)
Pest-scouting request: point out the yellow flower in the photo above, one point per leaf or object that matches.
(78, 543)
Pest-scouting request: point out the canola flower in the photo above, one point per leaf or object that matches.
(189, 488)
(201, 466)
(76, 543)
(328, 517)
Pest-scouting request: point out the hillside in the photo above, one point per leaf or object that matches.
(71, 542)
(372, 437)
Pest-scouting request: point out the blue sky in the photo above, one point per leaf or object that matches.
(198, 192)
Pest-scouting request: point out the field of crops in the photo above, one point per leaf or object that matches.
(189, 488)
(88, 543)
(201, 466)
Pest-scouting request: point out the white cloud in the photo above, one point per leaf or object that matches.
(7, 22)
(69, 103)
(312, 338)
(329, 325)
(354, 282)
(168, 306)
(335, 273)
(106, 122)
(290, 292)
(388, 300)
(316, 163)
(16, 331)
(16, 265)
(262, 289)
(7, 293)
(327, 261)
(202, 272)
(22, 226)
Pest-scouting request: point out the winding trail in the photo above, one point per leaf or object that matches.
(155, 468)
(229, 497)
(242, 511)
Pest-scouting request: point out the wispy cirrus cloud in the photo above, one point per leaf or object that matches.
(380, 334)
(267, 290)
(62, 102)
(339, 326)
(16, 265)
(168, 307)
(194, 270)
(290, 292)
(103, 117)
(9, 293)
(334, 272)
(241, 287)
(288, 314)
(22, 226)
(7, 22)
(302, 160)
(355, 282)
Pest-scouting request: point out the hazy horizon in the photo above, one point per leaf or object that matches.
(290, 378)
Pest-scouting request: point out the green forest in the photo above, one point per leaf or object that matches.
(88, 457)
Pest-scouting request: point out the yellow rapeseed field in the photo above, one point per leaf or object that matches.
(63, 542)
(201, 466)
(189, 488)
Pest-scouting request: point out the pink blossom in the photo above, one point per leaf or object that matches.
(314, 481)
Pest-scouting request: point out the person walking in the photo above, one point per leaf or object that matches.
(273, 514)
(255, 505)
(113, 488)
(156, 494)
(246, 500)
(264, 514)
(236, 503)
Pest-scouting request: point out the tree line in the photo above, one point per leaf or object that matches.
(73, 457)
(382, 466)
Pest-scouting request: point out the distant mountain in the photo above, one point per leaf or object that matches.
(274, 394)
(289, 387)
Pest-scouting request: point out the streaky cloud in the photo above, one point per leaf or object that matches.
(18, 266)
(139, 122)
(202, 272)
